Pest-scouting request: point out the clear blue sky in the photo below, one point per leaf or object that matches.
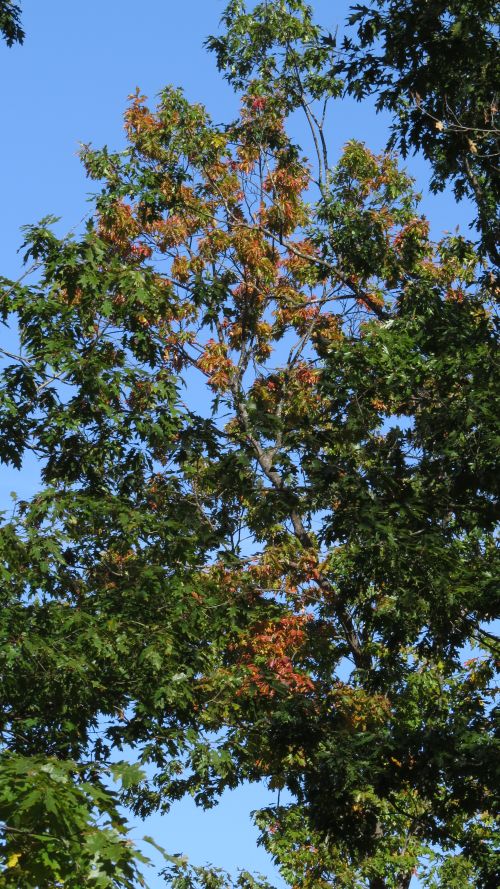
(69, 84)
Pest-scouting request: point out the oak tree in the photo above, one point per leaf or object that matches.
(291, 576)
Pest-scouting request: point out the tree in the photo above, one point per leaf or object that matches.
(434, 65)
(283, 584)
(10, 22)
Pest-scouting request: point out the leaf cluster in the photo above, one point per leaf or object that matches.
(10, 22)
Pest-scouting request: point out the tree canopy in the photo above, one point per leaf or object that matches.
(290, 578)
(434, 64)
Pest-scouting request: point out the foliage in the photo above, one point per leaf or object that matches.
(181, 875)
(290, 578)
(10, 22)
(434, 64)
(278, 47)
(62, 826)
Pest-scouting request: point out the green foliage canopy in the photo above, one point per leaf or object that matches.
(435, 65)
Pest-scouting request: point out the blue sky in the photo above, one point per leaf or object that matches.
(69, 84)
